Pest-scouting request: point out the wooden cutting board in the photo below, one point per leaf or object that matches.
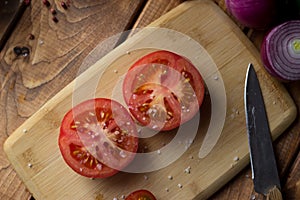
(221, 52)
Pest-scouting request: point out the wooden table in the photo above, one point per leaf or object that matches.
(59, 48)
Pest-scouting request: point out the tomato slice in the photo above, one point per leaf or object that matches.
(140, 195)
(98, 138)
(163, 90)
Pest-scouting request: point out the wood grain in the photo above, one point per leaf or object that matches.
(55, 59)
(44, 178)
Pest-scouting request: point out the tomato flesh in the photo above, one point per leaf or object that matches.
(163, 90)
(98, 138)
(140, 195)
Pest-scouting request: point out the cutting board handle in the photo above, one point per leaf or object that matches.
(274, 194)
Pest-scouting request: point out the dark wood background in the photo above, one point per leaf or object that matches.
(56, 53)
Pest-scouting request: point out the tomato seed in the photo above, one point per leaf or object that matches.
(87, 119)
(73, 126)
(117, 132)
(92, 114)
(102, 114)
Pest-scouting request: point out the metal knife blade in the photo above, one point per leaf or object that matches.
(263, 163)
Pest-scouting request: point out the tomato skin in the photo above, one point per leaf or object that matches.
(140, 195)
(93, 113)
(164, 79)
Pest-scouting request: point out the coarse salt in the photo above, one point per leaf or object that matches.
(236, 158)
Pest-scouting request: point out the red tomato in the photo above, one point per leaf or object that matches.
(141, 195)
(163, 90)
(98, 138)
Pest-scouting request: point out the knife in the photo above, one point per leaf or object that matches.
(263, 164)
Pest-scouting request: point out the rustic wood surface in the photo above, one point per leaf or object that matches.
(26, 87)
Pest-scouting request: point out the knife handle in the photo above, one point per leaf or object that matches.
(274, 194)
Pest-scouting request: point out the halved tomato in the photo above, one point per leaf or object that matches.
(98, 138)
(141, 195)
(163, 90)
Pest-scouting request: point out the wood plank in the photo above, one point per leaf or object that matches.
(27, 83)
(153, 10)
(229, 53)
(291, 190)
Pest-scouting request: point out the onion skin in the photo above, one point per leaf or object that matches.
(256, 14)
(280, 51)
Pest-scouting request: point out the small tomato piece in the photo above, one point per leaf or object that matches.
(141, 195)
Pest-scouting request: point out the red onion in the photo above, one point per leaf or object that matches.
(280, 51)
(258, 14)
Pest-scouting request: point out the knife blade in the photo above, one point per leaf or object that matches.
(263, 164)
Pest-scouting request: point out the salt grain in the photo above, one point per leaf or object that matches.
(216, 78)
(25, 130)
(29, 165)
(179, 185)
(98, 166)
(236, 158)
(146, 177)
(188, 170)
(170, 177)
(167, 189)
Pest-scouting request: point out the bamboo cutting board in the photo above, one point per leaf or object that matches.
(200, 31)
